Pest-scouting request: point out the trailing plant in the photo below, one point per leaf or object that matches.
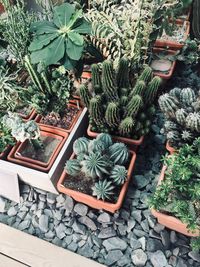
(100, 161)
(190, 52)
(16, 28)
(114, 106)
(179, 193)
(60, 40)
(49, 90)
(6, 138)
(181, 108)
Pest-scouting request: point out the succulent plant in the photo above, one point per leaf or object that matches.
(85, 95)
(187, 135)
(112, 115)
(187, 96)
(138, 89)
(193, 122)
(152, 90)
(103, 189)
(123, 73)
(168, 104)
(126, 126)
(181, 115)
(119, 153)
(73, 167)
(175, 92)
(106, 139)
(96, 110)
(134, 105)
(96, 145)
(81, 146)
(146, 75)
(119, 175)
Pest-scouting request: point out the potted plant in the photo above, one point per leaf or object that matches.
(163, 62)
(176, 201)
(182, 116)
(117, 108)
(37, 148)
(6, 141)
(98, 172)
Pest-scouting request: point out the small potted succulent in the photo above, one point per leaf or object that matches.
(115, 106)
(6, 141)
(98, 172)
(176, 201)
(182, 116)
(36, 147)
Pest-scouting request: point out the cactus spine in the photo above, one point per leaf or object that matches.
(123, 73)
(119, 153)
(81, 145)
(187, 96)
(138, 89)
(96, 78)
(112, 115)
(168, 104)
(126, 126)
(181, 115)
(103, 189)
(152, 90)
(96, 110)
(85, 95)
(193, 122)
(108, 81)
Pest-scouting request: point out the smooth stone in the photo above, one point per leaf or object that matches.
(88, 222)
(79, 228)
(107, 233)
(131, 224)
(44, 223)
(195, 255)
(114, 243)
(12, 211)
(139, 258)
(142, 240)
(113, 256)
(104, 218)
(51, 198)
(158, 259)
(60, 230)
(68, 205)
(81, 209)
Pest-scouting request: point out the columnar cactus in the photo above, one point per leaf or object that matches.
(168, 104)
(96, 78)
(134, 105)
(152, 90)
(193, 122)
(108, 81)
(126, 126)
(146, 75)
(181, 115)
(175, 92)
(96, 110)
(196, 19)
(138, 89)
(112, 115)
(85, 95)
(123, 73)
(187, 96)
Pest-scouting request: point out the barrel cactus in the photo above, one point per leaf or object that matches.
(193, 122)
(175, 92)
(81, 145)
(105, 138)
(73, 167)
(103, 189)
(187, 96)
(181, 115)
(96, 145)
(119, 153)
(168, 104)
(119, 175)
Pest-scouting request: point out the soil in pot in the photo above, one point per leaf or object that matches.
(65, 121)
(25, 111)
(178, 34)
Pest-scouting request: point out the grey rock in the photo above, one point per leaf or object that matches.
(12, 211)
(142, 241)
(60, 231)
(88, 222)
(81, 209)
(122, 229)
(158, 228)
(165, 238)
(139, 233)
(145, 226)
(79, 228)
(131, 225)
(124, 261)
(137, 215)
(24, 225)
(81, 243)
(107, 233)
(113, 256)
(2, 205)
(195, 255)
(42, 198)
(173, 237)
(181, 263)
(172, 260)
(139, 258)
(97, 241)
(56, 241)
(158, 259)
(51, 198)
(68, 205)
(60, 200)
(44, 223)
(50, 234)
(73, 246)
(114, 243)
(176, 251)
(140, 181)
(86, 251)
(68, 239)
(104, 218)
(135, 244)
(154, 245)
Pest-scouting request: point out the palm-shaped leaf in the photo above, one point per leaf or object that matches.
(42, 40)
(76, 38)
(62, 14)
(74, 52)
(41, 27)
(82, 26)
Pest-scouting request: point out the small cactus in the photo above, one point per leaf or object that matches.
(123, 101)
(123, 73)
(126, 126)
(85, 95)
(73, 167)
(119, 153)
(175, 92)
(105, 138)
(187, 96)
(187, 136)
(96, 76)
(81, 146)
(96, 145)
(173, 136)
(138, 89)
(134, 105)
(103, 189)
(96, 110)
(146, 75)
(181, 115)
(119, 175)
(152, 90)
(168, 104)
(170, 126)
(193, 122)
(112, 115)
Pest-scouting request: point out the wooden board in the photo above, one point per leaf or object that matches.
(35, 252)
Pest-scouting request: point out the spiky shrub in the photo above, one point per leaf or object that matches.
(179, 193)
(101, 162)
(182, 115)
(116, 108)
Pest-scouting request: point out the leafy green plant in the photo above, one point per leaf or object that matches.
(181, 108)
(6, 138)
(101, 162)
(60, 40)
(179, 192)
(114, 106)
(190, 52)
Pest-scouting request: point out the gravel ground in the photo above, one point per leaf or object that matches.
(130, 237)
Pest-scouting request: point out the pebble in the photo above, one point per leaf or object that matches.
(139, 258)
(81, 209)
(12, 211)
(88, 222)
(114, 243)
(106, 233)
(158, 259)
(103, 218)
(79, 228)
(43, 223)
(113, 256)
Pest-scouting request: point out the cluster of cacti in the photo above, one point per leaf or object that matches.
(181, 108)
(101, 161)
(114, 106)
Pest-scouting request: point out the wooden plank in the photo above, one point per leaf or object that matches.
(38, 253)
(8, 262)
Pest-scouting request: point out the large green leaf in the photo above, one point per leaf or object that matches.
(62, 14)
(42, 40)
(74, 52)
(50, 54)
(68, 63)
(82, 26)
(76, 38)
(41, 27)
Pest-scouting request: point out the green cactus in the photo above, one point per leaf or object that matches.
(181, 115)
(138, 89)
(187, 96)
(196, 19)
(108, 81)
(81, 145)
(112, 115)
(95, 165)
(152, 90)
(103, 189)
(73, 167)
(96, 75)
(134, 105)
(193, 122)
(96, 145)
(170, 126)
(96, 110)
(175, 92)
(187, 136)
(85, 95)
(126, 126)
(119, 153)
(105, 138)
(80, 157)
(173, 137)
(151, 110)
(123, 73)
(168, 104)
(146, 75)
(119, 175)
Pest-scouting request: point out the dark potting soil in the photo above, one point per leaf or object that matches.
(64, 122)
(24, 110)
(42, 154)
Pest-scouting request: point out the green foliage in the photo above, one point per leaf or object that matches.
(190, 53)
(103, 189)
(60, 40)
(6, 138)
(81, 145)
(179, 192)
(119, 174)
(73, 167)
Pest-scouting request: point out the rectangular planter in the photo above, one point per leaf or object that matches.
(93, 201)
(47, 181)
(170, 221)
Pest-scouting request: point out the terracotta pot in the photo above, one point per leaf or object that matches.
(30, 116)
(170, 148)
(2, 10)
(86, 75)
(4, 154)
(187, 18)
(173, 44)
(170, 221)
(165, 76)
(124, 140)
(51, 128)
(14, 155)
(92, 201)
